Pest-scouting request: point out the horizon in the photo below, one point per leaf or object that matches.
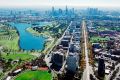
(48, 3)
(62, 7)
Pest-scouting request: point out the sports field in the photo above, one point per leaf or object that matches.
(34, 75)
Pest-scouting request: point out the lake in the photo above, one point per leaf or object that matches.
(28, 41)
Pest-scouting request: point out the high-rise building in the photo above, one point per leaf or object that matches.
(60, 11)
(53, 11)
(101, 68)
(73, 11)
(93, 11)
(66, 10)
(11, 12)
(57, 60)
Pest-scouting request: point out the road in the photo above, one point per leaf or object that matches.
(47, 59)
(63, 67)
(85, 40)
(59, 40)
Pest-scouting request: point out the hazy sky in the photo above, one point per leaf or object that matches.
(35, 3)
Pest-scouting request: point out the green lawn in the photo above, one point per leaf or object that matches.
(10, 41)
(23, 56)
(34, 75)
(102, 29)
(98, 38)
(10, 44)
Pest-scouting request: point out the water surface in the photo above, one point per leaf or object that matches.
(28, 41)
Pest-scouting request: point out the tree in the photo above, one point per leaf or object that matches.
(9, 63)
(20, 60)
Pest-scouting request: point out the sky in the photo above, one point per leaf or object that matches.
(36, 3)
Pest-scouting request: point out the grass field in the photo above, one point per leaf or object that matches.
(23, 56)
(9, 41)
(34, 75)
(97, 39)
(10, 44)
(102, 29)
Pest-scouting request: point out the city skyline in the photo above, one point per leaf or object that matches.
(59, 40)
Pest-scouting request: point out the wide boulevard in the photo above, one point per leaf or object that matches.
(85, 48)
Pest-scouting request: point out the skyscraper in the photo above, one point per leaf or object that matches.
(53, 11)
(66, 10)
(73, 10)
(60, 11)
(93, 11)
(101, 68)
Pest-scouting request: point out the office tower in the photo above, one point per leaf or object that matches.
(66, 10)
(101, 68)
(53, 11)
